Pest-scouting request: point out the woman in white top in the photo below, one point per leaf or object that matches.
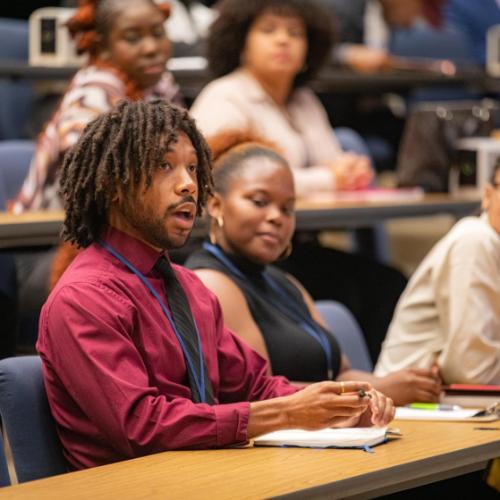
(264, 53)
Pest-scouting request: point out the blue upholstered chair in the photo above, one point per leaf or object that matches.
(27, 421)
(346, 330)
(16, 98)
(15, 157)
(422, 41)
(4, 471)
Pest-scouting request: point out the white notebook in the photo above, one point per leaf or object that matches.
(352, 437)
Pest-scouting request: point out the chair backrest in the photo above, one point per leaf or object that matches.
(16, 98)
(346, 330)
(4, 471)
(430, 43)
(27, 421)
(14, 39)
(15, 157)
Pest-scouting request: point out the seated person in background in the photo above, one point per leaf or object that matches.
(136, 358)
(449, 313)
(127, 50)
(253, 220)
(264, 53)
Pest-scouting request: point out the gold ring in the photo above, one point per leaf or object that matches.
(342, 387)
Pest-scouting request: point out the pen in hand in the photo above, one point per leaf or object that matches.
(362, 394)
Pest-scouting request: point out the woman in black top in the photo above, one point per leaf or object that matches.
(253, 221)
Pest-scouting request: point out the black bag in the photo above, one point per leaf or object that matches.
(427, 148)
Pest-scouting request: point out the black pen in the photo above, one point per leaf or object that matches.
(362, 394)
(487, 428)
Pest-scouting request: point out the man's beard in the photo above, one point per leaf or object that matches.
(150, 226)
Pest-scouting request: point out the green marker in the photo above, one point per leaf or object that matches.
(433, 407)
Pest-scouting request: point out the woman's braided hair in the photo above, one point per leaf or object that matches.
(114, 153)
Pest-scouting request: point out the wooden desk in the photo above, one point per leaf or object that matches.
(321, 215)
(330, 80)
(428, 451)
(42, 228)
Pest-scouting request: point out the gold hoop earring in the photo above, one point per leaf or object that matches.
(286, 253)
(211, 234)
(212, 238)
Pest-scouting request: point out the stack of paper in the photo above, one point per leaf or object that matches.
(468, 414)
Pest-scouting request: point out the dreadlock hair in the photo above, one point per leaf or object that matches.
(114, 153)
(92, 20)
(231, 148)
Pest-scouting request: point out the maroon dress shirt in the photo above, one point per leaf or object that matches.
(114, 371)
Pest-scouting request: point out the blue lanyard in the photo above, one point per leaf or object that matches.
(200, 382)
(282, 305)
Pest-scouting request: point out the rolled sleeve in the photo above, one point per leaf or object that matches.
(232, 422)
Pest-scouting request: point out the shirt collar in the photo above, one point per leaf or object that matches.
(138, 253)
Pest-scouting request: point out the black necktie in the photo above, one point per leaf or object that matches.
(183, 319)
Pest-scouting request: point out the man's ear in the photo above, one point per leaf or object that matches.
(117, 197)
(214, 206)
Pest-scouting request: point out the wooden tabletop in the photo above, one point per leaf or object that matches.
(428, 451)
(43, 228)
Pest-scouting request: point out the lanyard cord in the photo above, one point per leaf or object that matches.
(200, 383)
(282, 304)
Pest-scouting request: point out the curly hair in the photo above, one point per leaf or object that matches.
(229, 32)
(114, 154)
(230, 149)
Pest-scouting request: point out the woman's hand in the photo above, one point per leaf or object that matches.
(413, 384)
(352, 171)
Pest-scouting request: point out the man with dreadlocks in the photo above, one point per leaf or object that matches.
(136, 358)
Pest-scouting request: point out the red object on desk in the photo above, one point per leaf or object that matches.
(472, 388)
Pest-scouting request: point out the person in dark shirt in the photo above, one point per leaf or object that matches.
(253, 223)
(136, 358)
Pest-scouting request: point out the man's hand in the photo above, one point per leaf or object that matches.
(326, 404)
(380, 411)
(320, 405)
